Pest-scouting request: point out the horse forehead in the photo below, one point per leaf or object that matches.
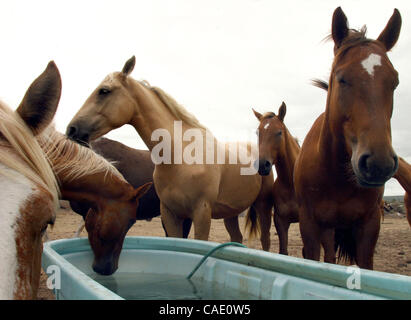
(111, 79)
(371, 62)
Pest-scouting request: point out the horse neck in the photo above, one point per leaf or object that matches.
(95, 186)
(331, 144)
(403, 175)
(286, 158)
(152, 114)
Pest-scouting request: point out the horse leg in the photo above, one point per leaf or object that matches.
(202, 221)
(263, 209)
(172, 224)
(310, 234)
(186, 227)
(80, 228)
(282, 225)
(366, 236)
(327, 241)
(231, 224)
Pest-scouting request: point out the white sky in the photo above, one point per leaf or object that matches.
(218, 58)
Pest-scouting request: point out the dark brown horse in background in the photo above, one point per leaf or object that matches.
(276, 146)
(137, 168)
(347, 155)
(403, 175)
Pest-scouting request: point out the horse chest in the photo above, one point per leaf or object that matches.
(329, 211)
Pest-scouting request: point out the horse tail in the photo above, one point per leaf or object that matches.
(252, 223)
(345, 245)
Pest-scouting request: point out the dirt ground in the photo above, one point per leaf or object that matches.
(393, 252)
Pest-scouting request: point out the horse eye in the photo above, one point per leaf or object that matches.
(341, 80)
(279, 133)
(103, 91)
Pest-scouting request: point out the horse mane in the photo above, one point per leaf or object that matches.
(72, 159)
(320, 84)
(34, 165)
(174, 107)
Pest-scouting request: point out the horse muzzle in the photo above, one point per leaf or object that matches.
(373, 171)
(263, 167)
(78, 133)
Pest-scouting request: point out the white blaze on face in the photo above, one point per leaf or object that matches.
(266, 126)
(15, 189)
(373, 60)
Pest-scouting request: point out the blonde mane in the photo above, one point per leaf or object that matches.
(175, 108)
(33, 165)
(71, 160)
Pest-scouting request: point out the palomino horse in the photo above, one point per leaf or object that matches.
(87, 177)
(277, 147)
(29, 190)
(403, 175)
(191, 189)
(137, 168)
(347, 155)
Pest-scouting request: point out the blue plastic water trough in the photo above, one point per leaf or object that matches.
(157, 268)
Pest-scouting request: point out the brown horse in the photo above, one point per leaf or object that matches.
(86, 177)
(403, 175)
(137, 168)
(347, 155)
(277, 147)
(197, 189)
(29, 190)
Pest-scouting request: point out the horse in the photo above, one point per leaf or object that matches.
(194, 189)
(137, 168)
(29, 192)
(403, 176)
(277, 147)
(347, 155)
(88, 178)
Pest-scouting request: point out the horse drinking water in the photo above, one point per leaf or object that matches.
(88, 178)
(347, 155)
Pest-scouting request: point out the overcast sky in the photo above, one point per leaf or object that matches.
(218, 58)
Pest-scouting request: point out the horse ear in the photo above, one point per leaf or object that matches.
(129, 66)
(282, 111)
(40, 102)
(339, 29)
(140, 191)
(391, 32)
(257, 114)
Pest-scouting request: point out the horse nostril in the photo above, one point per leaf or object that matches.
(71, 131)
(362, 163)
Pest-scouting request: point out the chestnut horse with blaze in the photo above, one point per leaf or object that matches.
(347, 155)
(277, 147)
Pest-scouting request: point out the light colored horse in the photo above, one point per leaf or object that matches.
(278, 147)
(195, 191)
(29, 190)
(88, 178)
